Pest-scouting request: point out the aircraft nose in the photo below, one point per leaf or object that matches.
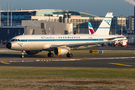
(8, 45)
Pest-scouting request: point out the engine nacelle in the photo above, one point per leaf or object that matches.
(32, 52)
(60, 51)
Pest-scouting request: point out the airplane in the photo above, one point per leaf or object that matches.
(63, 44)
(91, 30)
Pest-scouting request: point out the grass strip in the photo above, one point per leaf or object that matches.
(41, 72)
(40, 78)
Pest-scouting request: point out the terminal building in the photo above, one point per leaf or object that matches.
(52, 21)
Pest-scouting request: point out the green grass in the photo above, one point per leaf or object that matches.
(29, 78)
(40, 78)
(40, 72)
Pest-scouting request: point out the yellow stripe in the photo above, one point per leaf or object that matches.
(59, 51)
(94, 51)
(122, 64)
(5, 63)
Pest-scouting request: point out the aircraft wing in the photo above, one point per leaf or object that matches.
(79, 44)
(107, 40)
(84, 44)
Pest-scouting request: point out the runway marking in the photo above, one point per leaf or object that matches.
(122, 64)
(5, 63)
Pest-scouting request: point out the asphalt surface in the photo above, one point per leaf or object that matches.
(93, 63)
(87, 61)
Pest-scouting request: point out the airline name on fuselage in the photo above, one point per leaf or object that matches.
(60, 37)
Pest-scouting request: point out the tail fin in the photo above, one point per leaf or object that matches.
(104, 27)
(91, 30)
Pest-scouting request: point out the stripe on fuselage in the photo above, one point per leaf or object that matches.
(42, 40)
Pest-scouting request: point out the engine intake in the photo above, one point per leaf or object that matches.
(60, 51)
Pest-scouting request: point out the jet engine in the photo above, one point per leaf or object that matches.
(32, 52)
(60, 51)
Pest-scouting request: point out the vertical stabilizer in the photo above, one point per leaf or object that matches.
(91, 30)
(104, 27)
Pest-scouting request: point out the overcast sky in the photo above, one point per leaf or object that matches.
(95, 7)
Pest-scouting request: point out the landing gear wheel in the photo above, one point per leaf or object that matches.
(70, 55)
(22, 56)
(50, 54)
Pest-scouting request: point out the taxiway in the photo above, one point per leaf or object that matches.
(90, 63)
(87, 61)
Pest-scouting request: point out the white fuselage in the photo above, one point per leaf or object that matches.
(41, 42)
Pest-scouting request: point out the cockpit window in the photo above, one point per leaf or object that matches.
(15, 40)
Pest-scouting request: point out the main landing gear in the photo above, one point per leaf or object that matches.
(50, 54)
(69, 55)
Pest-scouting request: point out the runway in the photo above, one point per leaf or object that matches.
(93, 63)
(86, 61)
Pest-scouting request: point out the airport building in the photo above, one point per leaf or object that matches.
(53, 21)
(18, 15)
(130, 24)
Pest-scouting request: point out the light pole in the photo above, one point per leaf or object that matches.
(121, 25)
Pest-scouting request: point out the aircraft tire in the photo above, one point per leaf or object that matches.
(70, 55)
(50, 54)
(21, 56)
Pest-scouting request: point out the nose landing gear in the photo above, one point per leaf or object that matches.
(22, 56)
